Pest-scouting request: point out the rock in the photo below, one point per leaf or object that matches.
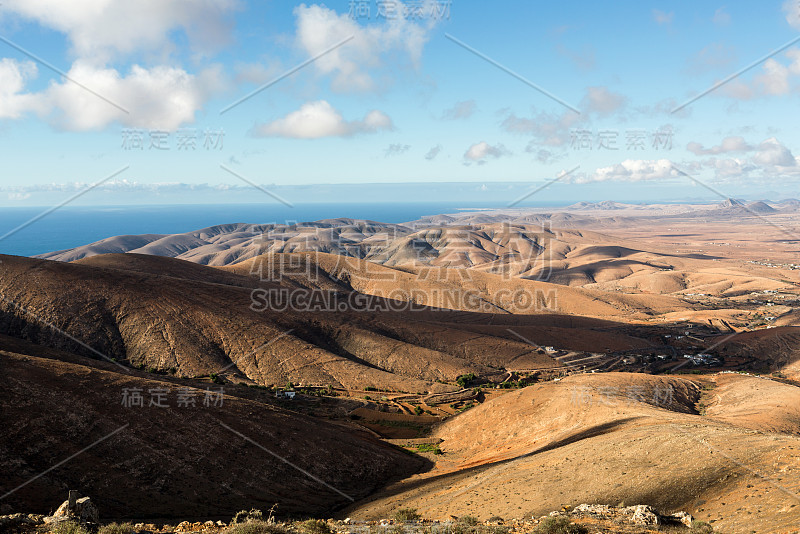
(221, 524)
(347, 521)
(644, 515)
(602, 510)
(684, 518)
(209, 524)
(83, 511)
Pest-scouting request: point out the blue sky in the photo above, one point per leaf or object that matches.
(403, 100)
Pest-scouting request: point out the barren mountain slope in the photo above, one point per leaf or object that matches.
(515, 248)
(177, 461)
(198, 327)
(609, 438)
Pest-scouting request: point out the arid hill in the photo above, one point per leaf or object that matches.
(207, 456)
(670, 442)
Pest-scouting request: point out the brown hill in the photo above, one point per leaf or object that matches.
(152, 312)
(66, 427)
(611, 438)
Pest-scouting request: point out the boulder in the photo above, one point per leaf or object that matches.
(684, 518)
(643, 515)
(83, 511)
(601, 510)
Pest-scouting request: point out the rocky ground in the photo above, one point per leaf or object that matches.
(585, 518)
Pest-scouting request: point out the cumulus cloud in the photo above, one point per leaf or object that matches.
(480, 152)
(395, 149)
(771, 160)
(462, 110)
(775, 78)
(13, 77)
(631, 170)
(433, 152)
(772, 152)
(729, 144)
(158, 98)
(319, 28)
(102, 29)
(315, 120)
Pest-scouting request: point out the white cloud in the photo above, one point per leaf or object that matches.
(462, 110)
(319, 28)
(480, 152)
(542, 155)
(631, 170)
(13, 77)
(553, 129)
(319, 119)
(662, 17)
(721, 17)
(771, 160)
(602, 102)
(775, 78)
(792, 10)
(548, 129)
(101, 29)
(772, 152)
(433, 152)
(158, 98)
(729, 144)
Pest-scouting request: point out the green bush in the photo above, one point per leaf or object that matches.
(117, 528)
(69, 527)
(406, 514)
(256, 527)
(429, 447)
(315, 526)
(463, 380)
(559, 525)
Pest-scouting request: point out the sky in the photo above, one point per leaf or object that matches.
(233, 100)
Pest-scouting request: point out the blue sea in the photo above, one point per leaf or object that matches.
(72, 226)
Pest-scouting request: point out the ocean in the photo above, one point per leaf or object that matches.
(72, 226)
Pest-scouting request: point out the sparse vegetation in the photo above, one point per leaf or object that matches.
(69, 527)
(406, 514)
(701, 527)
(464, 380)
(256, 527)
(315, 526)
(429, 447)
(117, 528)
(559, 525)
(244, 516)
